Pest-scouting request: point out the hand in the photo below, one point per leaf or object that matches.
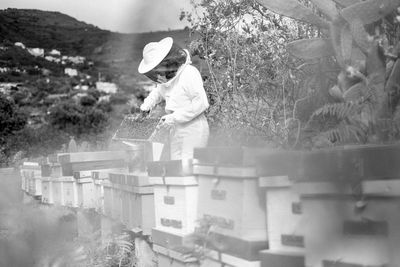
(144, 107)
(167, 121)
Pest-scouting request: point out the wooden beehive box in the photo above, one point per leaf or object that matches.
(69, 192)
(35, 186)
(87, 161)
(284, 215)
(218, 259)
(175, 195)
(108, 197)
(137, 207)
(86, 193)
(99, 196)
(170, 258)
(270, 258)
(47, 191)
(344, 229)
(116, 208)
(231, 199)
(57, 188)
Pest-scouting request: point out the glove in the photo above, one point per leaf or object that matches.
(144, 107)
(167, 121)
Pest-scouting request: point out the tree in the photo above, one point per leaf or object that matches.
(11, 121)
(353, 69)
(248, 73)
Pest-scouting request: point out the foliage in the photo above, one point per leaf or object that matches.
(249, 80)
(353, 71)
(11, 121)
(78, 120)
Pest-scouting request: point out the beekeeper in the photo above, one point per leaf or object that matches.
(181, 85)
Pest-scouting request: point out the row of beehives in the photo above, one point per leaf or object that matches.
(256, 208)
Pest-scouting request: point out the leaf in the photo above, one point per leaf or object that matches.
(346, 3)
(310, 48)
(360, 35)
(336, 93)
(355, 93)
(327, 7)
(393, 85)
(375, 64)
(346, 44)
(294, 10)
(304, 107)
(335, 34)
(369, 11)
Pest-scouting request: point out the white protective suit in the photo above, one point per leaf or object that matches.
(186, 102)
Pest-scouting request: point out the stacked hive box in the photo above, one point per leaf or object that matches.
(175, 199)
(285, 222)
(132, 201)
(352, 220)
(31, 174)
(51, 170)
(65, 187)
(232, 203)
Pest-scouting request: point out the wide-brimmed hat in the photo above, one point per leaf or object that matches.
(154, 53)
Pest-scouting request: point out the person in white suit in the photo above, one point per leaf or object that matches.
(181, 85)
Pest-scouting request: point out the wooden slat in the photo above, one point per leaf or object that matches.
(275, 181)
(92, 156)
(388, 188)
(281, 259)
(170, 168)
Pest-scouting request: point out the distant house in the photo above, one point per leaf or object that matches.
(52, 59)
(4, 70)
(109, 88)
(71, 72)
(19, 44)
(5, 88)
(37, 52)
(55, 53)
(82, 87)
(77, 60)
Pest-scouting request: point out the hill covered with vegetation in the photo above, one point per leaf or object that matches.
(42, 103)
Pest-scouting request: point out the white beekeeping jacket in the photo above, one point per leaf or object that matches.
(184, 94)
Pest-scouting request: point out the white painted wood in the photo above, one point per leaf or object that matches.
(238, 172)
(275, 181)
(169, 258)
(231, 260)
(47, 191)
(236, 201)
(99, 196)
(321, 188)
(281, 220)
(86, 193)
(35, 186)
(388, 188)
(324, 238)
(92, 156)
(108, 198)
(170, 180)
(57, 189)
(177, 205)
(116, 210)
(70, 192)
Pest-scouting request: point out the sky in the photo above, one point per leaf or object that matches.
(125, 16)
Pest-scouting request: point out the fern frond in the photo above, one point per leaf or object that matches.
(344, 133)
(339, 110)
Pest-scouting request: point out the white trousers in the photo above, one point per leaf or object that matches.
(187, 136)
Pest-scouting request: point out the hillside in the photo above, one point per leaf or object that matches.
(48, 101)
